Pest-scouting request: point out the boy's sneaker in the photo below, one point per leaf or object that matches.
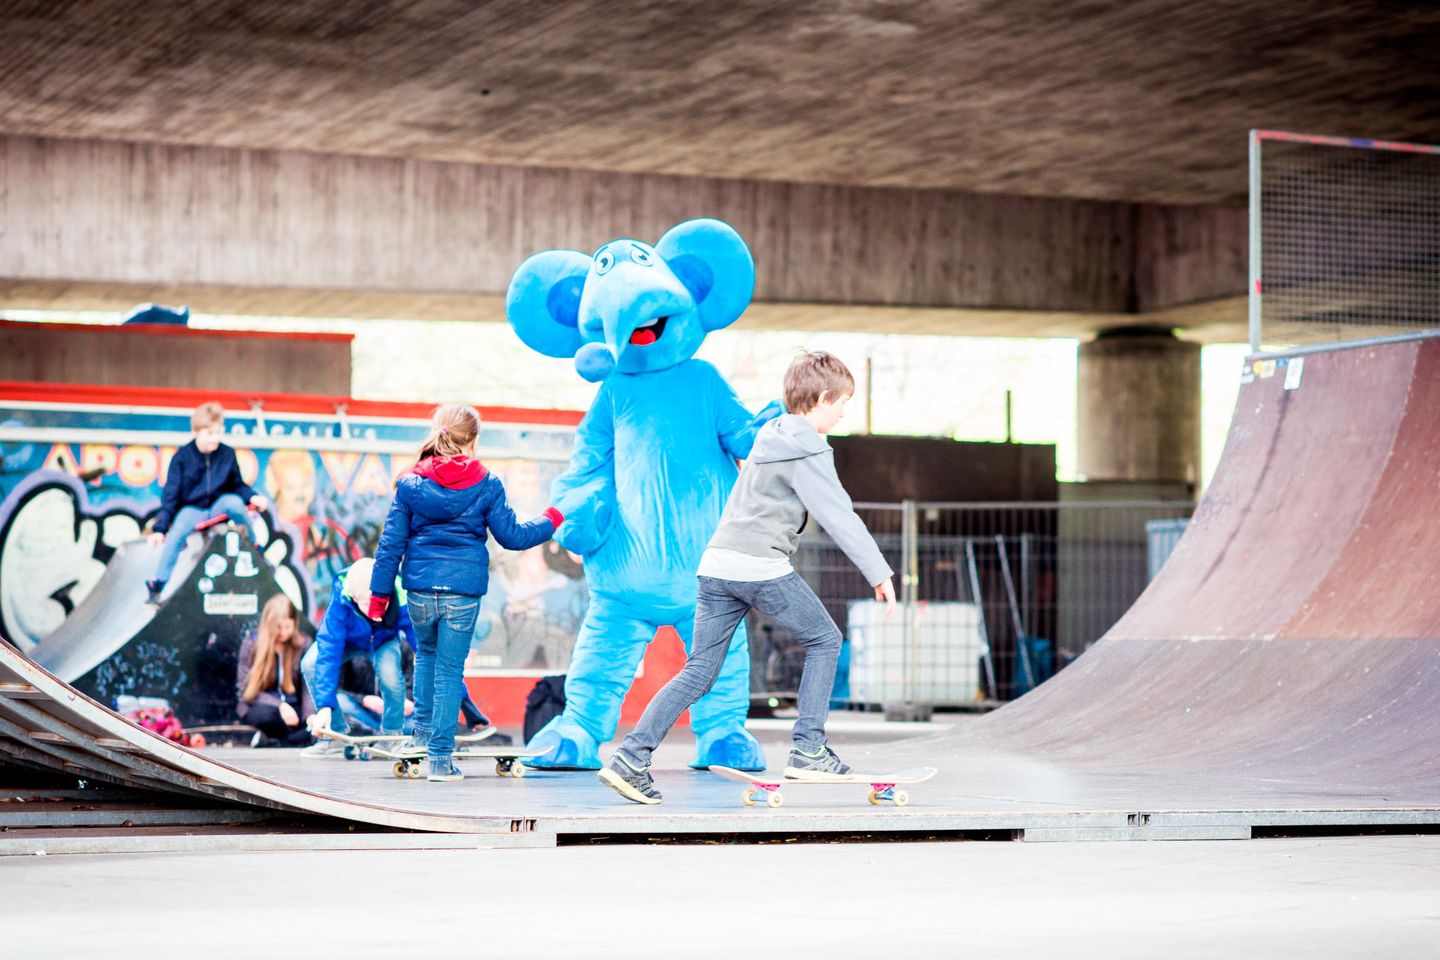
(410, 747)
(324, 750)
(477, 733)
(820, 765)
(153, 589)
(444, 771)
(630, 781)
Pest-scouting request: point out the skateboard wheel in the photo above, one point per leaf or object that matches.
(399, 768)
(502, 769)
(362, 753)
(349, 752)
(874, 798)
(901, 798)
(517, 769)
(774, 800)
(414, 772)
(748, 798)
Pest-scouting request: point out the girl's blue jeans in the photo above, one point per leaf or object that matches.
(444, 623)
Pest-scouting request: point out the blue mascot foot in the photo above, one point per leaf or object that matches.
(562, 744)
(732, 747)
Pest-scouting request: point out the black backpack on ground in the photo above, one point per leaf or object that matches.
(545, 702)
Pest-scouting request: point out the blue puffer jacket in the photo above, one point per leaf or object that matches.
(195, 479)
(438, 522)
(345, 632)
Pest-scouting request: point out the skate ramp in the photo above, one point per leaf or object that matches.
(183, 650)
(113, 612)
(1294, 634)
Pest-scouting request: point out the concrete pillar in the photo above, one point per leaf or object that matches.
(1139, 407)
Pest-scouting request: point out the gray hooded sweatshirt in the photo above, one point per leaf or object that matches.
(791, 475)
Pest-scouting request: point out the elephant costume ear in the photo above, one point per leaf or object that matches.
(543, 302)
(716, 267)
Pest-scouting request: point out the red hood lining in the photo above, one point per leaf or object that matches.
(456, 473)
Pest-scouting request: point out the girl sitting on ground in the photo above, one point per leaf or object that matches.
(270, 691)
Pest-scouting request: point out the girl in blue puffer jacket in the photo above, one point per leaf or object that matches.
(437, 526)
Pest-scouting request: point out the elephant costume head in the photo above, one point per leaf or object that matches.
(633, 308)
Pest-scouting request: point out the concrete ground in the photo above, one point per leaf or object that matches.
(1314, 898)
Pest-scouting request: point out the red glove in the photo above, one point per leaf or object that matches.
(555, 516)
(377, 607)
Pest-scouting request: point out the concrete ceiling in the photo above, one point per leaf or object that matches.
(1143, 100)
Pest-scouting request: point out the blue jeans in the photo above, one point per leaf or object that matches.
(720, 606)
(389, 673)
(184, 524)
(444, 623)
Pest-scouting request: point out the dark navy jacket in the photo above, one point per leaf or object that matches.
(197, 480)
(344, 632)
(438, 522)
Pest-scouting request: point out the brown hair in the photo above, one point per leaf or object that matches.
(262, 665)
(453, 429)
(207, 415)
(813, 373)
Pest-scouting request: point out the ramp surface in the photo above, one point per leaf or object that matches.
(184, 650)
(1282, 672)
(112, 613)
(1295, 632)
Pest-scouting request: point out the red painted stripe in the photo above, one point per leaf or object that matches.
(1357, 142)
(177, 330)
(238, 402)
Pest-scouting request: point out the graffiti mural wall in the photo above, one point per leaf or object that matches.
(82, 469)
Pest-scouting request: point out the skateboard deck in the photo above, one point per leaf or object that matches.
(764, 787)
(379, 739)
(410, 764)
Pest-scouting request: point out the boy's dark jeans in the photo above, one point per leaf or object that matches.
(719, 607)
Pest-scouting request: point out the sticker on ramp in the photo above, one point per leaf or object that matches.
(1294, 372)
(232, 604)
(215, 565)
(245, 566)
(232, 543)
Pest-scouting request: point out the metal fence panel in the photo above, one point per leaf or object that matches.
(1344, 238)
(994, 598)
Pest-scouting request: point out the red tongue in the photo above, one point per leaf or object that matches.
(643, 337)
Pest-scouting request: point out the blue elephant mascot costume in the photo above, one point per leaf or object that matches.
(653, 464)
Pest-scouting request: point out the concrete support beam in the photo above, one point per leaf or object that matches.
(1139, 407)
(296, 229)
(1186, 255)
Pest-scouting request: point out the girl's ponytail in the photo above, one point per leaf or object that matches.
(453, 430)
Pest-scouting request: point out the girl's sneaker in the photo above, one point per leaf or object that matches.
(631, 782)
(444, 771)
(820, 765)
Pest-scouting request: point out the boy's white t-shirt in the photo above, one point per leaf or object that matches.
(722, 564)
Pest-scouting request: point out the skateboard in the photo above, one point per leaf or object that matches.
(765, 787)
(220, 518)
(360, 748)
(409, 764)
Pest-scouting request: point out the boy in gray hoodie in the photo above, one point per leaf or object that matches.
(789, 477)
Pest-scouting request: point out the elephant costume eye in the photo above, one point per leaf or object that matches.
(604, 260)
(642, 256)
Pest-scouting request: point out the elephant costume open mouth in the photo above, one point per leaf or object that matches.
(648, 332)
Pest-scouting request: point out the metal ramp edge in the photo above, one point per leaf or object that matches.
(44, 722)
